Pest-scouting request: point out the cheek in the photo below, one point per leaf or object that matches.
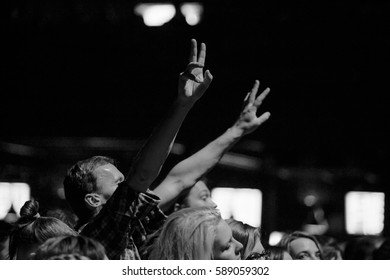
(225, 255)
(195, 202)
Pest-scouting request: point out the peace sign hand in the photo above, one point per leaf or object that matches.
(193, 82)
(248, 121)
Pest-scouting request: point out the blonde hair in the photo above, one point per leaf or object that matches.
(288, 238)
(187, 234)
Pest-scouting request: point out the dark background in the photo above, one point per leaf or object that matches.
(79, 69)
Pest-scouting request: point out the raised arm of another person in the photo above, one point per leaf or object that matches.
(186, 173)
(191, 86)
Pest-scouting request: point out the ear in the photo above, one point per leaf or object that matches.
(93, 200)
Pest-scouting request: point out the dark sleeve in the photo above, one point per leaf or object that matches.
(111, 225)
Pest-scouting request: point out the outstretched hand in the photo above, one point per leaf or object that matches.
(248, 120)
(193, 82)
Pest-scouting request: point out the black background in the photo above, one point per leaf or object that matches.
(91, 68)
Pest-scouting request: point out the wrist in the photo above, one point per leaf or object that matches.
(236, 131)
(184, 103)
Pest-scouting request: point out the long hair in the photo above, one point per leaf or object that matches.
(288, 238)
(245, 234)
(31, 229)
(188, 234)
(65, 245)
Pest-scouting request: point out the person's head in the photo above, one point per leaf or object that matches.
(248, 236)
(196, 196)
(383, 252)
(69, 257)
(32, 230)
(272, 253)
(67, 245)
(278, 253)
(196, 234)
(330, 247)
(301, 246)
(362, 247)
(61, 214)
(5, 231)
(90, 183)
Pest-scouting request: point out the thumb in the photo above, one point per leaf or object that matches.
(208, 77)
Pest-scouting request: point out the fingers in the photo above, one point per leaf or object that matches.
(253, 92)
(194, 51)
(193, 65)
(264, 117)
(261, 97)
(208, 78)
(202, 53)
(246, 97)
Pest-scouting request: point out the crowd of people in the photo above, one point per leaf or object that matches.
(119, 217)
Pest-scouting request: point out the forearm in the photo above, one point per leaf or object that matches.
(186, 173)
(153, 154)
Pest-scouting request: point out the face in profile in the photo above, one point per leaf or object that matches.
(107, 179)
(225, 246)
(258, 246)
(200, 196)
(304, 249)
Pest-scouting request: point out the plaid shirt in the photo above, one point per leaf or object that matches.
(124, 222)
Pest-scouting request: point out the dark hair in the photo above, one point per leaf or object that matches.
(64, 215)
(383, 252)
(69, 257)
(245, 234)
(361, 248)
(5, 230)
(80, 181)
(182, 198)
(276, 252)
(65, 245)
(330, 247)
(32, 229)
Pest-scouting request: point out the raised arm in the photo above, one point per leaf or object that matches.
(186, 173)
(192, 85)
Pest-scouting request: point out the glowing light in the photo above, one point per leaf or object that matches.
(192, 12)
(13, 195)
(310, 200)
(275, 237)
(155, 14)
(365, 212)
(241, 204)
(5, 200)
(20, 193)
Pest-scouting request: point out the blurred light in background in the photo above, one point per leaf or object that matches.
(192, 12)
(310, 200)
(365, 212)
(275, 237)
(5, 200)
(241, 204)
(13, 195)
(156, 14)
